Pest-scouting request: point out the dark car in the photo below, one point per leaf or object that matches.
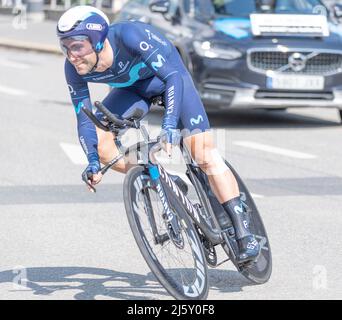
(253, 54)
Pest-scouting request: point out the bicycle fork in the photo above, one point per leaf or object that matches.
(170, 218)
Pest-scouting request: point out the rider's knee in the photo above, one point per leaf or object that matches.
(104, 153)
(107, 152)
(119, 166)
(211, 162)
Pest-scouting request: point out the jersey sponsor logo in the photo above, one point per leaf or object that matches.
(79, 106)
(123, 66)
(94, 26)
(133, 76)
(158, 64)
(71, 90)
(197, 120)
(144, 46)
(153, 36)
(170, 99)
(148, 33)
(103, 77)
(84, 145)
(238, 210)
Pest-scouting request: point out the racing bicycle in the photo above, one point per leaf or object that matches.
(176, 232)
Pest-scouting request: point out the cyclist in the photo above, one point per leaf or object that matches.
(140, 63)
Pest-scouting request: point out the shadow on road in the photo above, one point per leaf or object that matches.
(254, 119)
(94, 282)
(225, 281)
(91, 282)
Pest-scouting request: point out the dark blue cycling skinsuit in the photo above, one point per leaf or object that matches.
(145, 65)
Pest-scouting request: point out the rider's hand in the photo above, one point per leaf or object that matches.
(169, 137)
(92, 170)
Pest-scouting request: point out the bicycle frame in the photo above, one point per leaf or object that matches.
(160, 177)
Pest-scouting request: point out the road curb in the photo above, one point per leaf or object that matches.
(33, 46)
(54, 14)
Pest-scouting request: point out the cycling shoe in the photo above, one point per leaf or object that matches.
(249, 249)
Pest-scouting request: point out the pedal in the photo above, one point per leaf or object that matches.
(249, 263)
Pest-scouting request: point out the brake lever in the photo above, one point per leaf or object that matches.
(85, 177)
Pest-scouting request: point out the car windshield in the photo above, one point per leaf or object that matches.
(246, 7)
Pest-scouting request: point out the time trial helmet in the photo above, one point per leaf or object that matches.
(82, 23)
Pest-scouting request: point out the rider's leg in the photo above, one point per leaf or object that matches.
(225, 187)
(222, 181)
(108, 151)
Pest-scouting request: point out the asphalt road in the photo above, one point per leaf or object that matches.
(57, 241)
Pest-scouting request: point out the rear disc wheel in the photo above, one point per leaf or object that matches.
(260, 270)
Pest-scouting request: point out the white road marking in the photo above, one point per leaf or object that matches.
(255, 196)
(12, 91)
(275, 150)
(75, 153)
(12, 64)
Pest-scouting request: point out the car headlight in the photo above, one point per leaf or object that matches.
(204, 49)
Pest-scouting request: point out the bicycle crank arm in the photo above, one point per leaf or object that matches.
(232, 254)
(174, 224)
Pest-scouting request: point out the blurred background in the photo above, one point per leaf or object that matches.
(273, 92)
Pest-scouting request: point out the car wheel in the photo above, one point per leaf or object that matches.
(340, 112)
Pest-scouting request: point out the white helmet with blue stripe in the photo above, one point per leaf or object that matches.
(84, 21)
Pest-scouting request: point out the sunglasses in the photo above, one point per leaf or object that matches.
(77, 46)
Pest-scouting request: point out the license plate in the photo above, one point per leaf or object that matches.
(298, 82)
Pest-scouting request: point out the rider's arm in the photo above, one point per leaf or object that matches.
(80, 97)
(155, 55)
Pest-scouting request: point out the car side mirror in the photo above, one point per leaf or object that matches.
(338, 10)
(160, 6)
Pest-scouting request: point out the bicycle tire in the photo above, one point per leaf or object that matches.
(200, 287)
